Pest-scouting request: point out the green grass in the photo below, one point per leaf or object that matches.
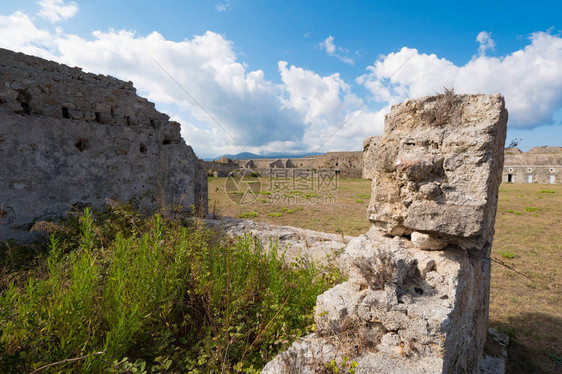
(506, 254)
(163, 295)
(248, 215)
(275, 214)
(517, 213)
(532, 209)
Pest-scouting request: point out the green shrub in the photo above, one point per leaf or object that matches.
(154, 294)
(275, 214)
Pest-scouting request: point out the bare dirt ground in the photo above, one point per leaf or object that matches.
(527, 304)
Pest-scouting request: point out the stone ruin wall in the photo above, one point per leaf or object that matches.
(417, 296)
(345, 164)
(538, 165)
(73, 138)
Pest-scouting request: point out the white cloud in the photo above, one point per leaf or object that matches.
(57, 10)
(486, 42)
(325, 103)
(224, 6)
(338, 52)
(530, 78)
(17, 32)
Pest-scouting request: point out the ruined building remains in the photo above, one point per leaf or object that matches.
(345, 164)
(538, 165)
(417, 296)
(70, 138)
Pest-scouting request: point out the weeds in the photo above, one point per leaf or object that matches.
(444, 108)
(155, 295)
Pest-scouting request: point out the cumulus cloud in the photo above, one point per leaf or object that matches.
(486, 42)
(338, 52)
(530, 78)
(57, 10)
(325, 103)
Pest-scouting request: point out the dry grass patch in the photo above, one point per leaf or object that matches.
(328, 211)
(529, 238)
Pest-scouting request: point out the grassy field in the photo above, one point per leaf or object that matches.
(528, 238)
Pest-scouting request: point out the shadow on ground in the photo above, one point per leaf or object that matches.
(532, 350)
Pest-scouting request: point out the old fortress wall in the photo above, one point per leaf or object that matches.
(72, 138)
(538, 165)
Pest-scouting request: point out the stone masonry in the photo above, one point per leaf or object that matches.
(70, 138)
(417, 296)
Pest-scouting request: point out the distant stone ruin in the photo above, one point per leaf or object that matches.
(344, 164)
(69, 138)
(538, 165)
(418, 291)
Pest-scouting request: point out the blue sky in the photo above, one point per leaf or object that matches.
(285, 75)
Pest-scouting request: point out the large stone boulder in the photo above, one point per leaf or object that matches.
(70, 138)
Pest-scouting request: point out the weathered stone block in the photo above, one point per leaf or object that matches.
(437, 168)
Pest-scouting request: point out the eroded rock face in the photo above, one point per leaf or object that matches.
(73, 138)
(436, 168)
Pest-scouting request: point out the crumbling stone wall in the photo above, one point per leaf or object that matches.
(69, 137)
(417, 296)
